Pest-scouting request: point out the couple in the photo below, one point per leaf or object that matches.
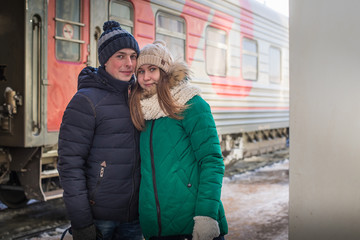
(112, 120)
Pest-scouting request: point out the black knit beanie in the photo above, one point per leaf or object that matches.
(113, 39)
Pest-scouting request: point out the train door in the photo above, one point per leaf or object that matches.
(68, 43)
(67, 49)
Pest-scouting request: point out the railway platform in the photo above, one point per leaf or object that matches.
(255, 195)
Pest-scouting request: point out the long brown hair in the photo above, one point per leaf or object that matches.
(166, 102)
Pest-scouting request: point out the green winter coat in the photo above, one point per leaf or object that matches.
(186, 171)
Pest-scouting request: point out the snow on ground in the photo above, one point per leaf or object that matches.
(256, 203)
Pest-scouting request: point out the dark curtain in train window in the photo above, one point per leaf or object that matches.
(68, 10)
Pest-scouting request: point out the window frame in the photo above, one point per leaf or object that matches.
(216, 44)
(79, 41)
(251, 54)
(280, 65)
(166, 32)
(128, 23)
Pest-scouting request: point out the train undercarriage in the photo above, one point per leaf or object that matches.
(243, 145)
(28, 173)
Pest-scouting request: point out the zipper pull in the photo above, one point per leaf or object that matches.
(103, 166)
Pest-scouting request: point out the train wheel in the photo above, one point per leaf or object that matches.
(13, 198)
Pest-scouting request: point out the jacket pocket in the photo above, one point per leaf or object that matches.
(98, 182)
(189, 180)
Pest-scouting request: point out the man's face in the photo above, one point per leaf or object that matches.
(121, 65)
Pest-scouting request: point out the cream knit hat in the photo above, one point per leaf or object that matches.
(155, 54)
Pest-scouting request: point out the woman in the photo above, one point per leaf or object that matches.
(181, 162)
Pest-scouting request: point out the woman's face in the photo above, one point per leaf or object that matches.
(148, 77)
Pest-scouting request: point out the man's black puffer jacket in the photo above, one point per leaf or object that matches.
(99, 163)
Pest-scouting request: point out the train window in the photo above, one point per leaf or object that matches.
(68, 25)
(275, 65)
(249, 59)
(123, 12)
(171, 29)
(216, 51)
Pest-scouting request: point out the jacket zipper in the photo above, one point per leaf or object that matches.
(101, 175)
(126, 95)
(154, 178)
(133, 175)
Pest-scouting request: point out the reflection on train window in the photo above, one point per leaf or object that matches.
(68, 26)
(249, 59)
(122, 12)
(216, 51)
(275, 65)
(171, 29)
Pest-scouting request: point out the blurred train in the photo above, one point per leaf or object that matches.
(237, 50)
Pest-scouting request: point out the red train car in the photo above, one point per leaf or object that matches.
(237, 51)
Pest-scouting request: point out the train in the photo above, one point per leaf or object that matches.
(238, 52)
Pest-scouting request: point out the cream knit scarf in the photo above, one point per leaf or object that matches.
(181, 93)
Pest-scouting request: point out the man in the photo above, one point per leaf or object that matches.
(99, 163)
